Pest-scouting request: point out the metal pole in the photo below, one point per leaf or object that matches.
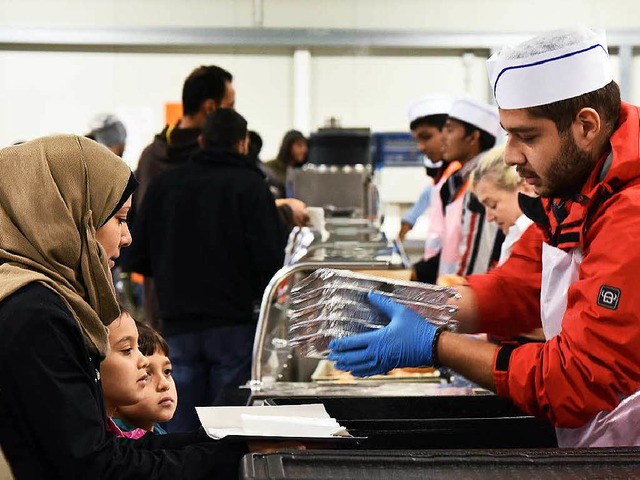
(258, 13)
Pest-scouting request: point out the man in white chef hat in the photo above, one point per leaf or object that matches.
(427, 116)
(470, 130)
(575, 273)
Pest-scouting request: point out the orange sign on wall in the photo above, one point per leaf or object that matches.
(172, 112)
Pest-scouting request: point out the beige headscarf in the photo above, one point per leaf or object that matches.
(54, 192)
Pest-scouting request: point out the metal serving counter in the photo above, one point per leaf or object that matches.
(394, 413)
(351, 243)
(363, 389)
(564, 464)
(410, 415)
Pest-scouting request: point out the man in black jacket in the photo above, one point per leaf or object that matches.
(206, 89)
(209, 234)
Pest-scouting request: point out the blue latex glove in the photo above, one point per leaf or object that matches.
(405, 342)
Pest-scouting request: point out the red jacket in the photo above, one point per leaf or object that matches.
(595, 360)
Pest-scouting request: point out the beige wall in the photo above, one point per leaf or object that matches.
(452, 15)
(43, 92)
(55, 92)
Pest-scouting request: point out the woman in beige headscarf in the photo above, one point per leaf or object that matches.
(63, 207)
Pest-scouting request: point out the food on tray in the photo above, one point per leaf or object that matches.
(332, 304)
(326, 371)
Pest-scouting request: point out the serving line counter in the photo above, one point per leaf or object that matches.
(394, 412)
(479, 464)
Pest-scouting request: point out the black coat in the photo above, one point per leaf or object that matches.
(210, 235)
(52, 417)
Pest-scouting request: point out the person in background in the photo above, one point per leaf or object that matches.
(160, 395)
(574, 273)
(292, 154)
(204, 90)
(210, 236)
(123, 373)
(293, 212)
(255, 147)
(480, 240)
(470, 130)
(108, 130)
(426, 120)
(56, 299)
(497, 187)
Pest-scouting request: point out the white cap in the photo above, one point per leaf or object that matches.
(478, 114)
(551, 67)
(108, 130)
(429, 105)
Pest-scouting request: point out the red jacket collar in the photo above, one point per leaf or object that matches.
(566, 221)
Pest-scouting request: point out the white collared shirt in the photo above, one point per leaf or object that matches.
(515, 232)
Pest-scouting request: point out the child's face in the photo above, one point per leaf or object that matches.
(160, 396)
(124, 370)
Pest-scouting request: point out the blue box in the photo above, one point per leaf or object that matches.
(394, 149)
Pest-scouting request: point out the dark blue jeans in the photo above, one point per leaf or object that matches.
(204, 364)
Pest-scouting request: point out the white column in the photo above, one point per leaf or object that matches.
(302, 91)
(258, 13)
(625, 56)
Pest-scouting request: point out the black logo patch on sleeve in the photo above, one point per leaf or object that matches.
(609, 297)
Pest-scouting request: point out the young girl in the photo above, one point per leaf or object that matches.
(63, 207)
(124, 373)
(160, 396)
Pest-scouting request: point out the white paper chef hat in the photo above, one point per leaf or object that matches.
(436, 104)
(551, 67)
(478, 114)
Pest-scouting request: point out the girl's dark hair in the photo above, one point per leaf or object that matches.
(284, 154)
(150, 341)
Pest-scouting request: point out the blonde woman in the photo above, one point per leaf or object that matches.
(497, 186)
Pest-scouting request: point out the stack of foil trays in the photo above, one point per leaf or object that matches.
(333, 304)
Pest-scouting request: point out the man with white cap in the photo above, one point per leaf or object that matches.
(575, 273)
(108, 130)
(470, 130)
(426, 119)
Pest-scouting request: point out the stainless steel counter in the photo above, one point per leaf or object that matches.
(364, 388)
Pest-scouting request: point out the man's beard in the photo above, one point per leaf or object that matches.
(568, 171)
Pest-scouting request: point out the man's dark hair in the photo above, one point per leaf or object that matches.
(204, 83)
(224, 128)
(436, 121)
(255, 144)
(605, 101)
(487, 140)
